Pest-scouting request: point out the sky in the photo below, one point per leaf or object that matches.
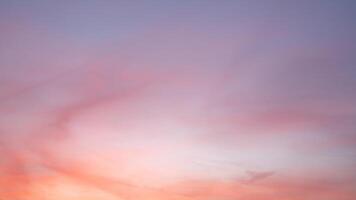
(177, 100)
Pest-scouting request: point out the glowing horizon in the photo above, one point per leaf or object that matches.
(165, 100)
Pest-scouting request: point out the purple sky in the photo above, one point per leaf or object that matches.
(175, 100)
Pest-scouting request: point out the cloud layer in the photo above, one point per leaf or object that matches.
(177, 100)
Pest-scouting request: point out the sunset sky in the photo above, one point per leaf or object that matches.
(177, 100)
